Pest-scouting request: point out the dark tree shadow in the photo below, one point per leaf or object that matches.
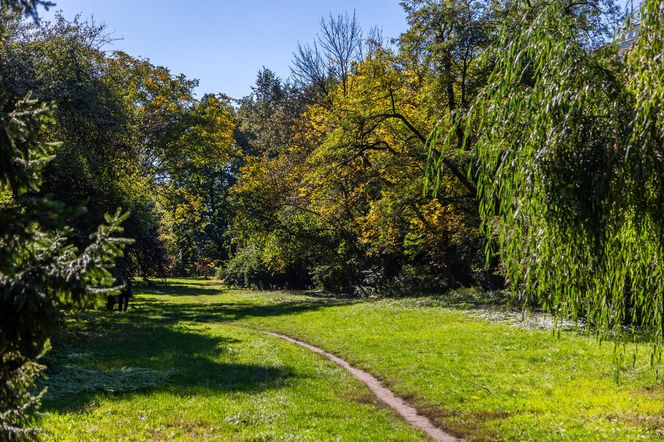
(225, 311)
(155, 347)
(178, 288)
(146, 349)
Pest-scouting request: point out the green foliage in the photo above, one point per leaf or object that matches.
(271, 228)
(17, 397)
(26, 7)
(184, 156)
(568, 139)
(21, 159)
(195, 203)
(62, 63)
(244, 269)
(449, 39)
(133, 135)
(41, 271)
(334, 191)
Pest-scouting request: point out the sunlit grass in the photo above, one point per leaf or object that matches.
(153, 374)
(479, 379)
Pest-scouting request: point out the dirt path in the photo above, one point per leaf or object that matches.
(386, 396)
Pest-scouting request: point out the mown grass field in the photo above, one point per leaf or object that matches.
(188, 362)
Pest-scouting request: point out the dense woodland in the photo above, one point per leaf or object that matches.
(312, 181)
(496, 144)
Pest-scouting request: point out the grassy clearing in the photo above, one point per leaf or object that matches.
(155, 375)
(483, 380)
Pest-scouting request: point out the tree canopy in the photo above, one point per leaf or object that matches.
(568, 139)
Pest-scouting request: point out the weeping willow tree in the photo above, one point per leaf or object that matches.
(568, 137)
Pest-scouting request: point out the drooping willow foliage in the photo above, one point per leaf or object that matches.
(569, 140)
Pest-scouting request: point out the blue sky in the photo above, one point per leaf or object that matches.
(224, 43)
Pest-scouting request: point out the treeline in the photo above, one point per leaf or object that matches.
(132, 135)
(312, 181)
(331, 192)
(337, 158)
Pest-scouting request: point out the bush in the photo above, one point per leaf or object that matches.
(245, 269)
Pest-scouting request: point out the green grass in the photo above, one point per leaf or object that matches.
(200, 371)
(153, 374)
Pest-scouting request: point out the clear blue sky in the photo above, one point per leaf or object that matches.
(224, 43)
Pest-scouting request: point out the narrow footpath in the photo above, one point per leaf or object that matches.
(404, 409)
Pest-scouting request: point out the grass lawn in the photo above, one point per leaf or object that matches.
(187, 362)
(154, 374)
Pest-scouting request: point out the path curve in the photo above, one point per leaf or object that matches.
(386, 396)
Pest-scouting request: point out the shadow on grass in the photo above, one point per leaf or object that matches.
(194, 288)
(472, 298)
(148, 349)
(225, 312)
(158, 346)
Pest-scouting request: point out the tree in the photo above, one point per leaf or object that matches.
(329, 61)
(98, 164)
(41, 271)
(194, 195)
(185, 153)
(273, 242)
(365, 179)
(333, 191)
(447, 39)
(568, 137)
(265, 118)
(26, 7)
(158, 103)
